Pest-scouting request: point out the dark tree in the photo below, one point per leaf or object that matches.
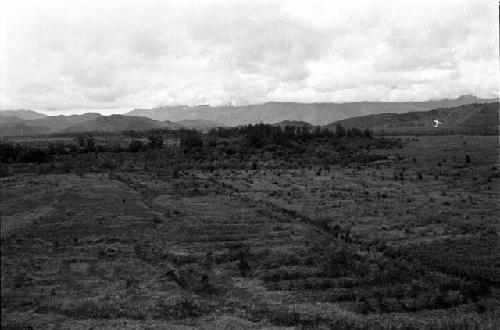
(136, 146)
(80, 141)
(339, 130)
(32, 156)
(212, 143)
(8, 152)
(155, 139)
(86, 143)
(90, 144)
(190, 139)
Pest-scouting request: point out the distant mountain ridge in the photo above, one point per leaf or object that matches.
(471, 115)
(22, 114)
(58, 123)
(200, 124)
(314, 113)
(294, 123)
(14, 126)
(117, 123)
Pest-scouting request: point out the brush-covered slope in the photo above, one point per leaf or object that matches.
(487, 117)
(294, 123)
(200, 124)
(473, 118)
(58, 123)
(20, 129)
(15, 126)
(7, 120)
(116, 123)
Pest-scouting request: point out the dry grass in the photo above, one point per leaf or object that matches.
(351, 248)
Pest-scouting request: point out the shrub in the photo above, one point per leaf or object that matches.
(212, 143)
(155, 139)
(32, 156)
(136, 146)
(480, 308)
(4, 171)
(190, 139)
(364, 307)
(22, 280)
(86, 143)
(8, 152)
(340, 262)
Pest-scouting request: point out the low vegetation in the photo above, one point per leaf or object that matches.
(250, 227)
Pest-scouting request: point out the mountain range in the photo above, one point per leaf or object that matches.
(117, 123)
(466, 112)
(199, 124)
(22, 114)
(12, 125)
(314, 113)
(470, 118)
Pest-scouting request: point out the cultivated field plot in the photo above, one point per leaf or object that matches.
(410, 242)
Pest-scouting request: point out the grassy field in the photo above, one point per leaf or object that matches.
(410, 241)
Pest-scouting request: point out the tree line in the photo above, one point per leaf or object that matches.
(255, 136)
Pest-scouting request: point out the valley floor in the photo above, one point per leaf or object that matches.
(409, 243)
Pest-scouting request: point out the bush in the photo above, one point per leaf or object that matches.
(4, 171)
(32, 156)
(186, 308)
(340, 262)
(8, 152)
(212, 143)
(155, 139)
(57, 149)
(86, 143)
(136, 146)
(190, 139)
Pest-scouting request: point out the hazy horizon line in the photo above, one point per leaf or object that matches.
(124, 110)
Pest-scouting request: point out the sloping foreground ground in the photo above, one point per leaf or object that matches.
(315, 248)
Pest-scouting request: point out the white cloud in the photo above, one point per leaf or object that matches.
(120, 54)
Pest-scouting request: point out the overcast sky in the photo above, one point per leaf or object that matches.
(123, 54)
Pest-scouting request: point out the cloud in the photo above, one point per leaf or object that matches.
(118, 54)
